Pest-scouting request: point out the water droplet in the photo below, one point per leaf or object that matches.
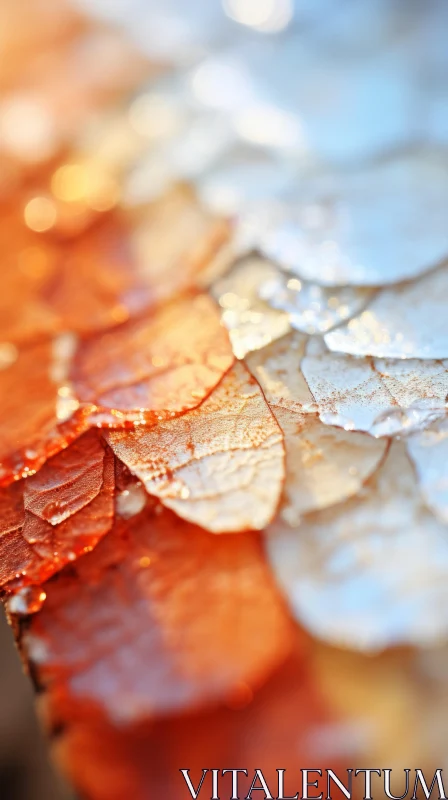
(131, 501)
(27, 601)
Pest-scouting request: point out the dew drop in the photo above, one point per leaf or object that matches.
(131, 501)
(27, 601)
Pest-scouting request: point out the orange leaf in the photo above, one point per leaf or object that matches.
(30, 431)
(161, 616)
(155, 367)
(51, 518)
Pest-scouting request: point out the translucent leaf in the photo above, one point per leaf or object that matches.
(155, 367)
(68, 482)
(404, 322)
(173, 240)
(381, 396)
(35, 420)
(141, 257)
(277, 369)
(373, 572)
(106, 763)
(129, 629)
(53, 517)
(251, 323)
(429, 452)
(312, 308)
(220, 466)
(324, 465)
(362, 228)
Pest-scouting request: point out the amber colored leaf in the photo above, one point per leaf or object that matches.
(123, 264)
(173, 240)
(14, 549)
(54, 516)
(220, 465)
(157, 366)
(161, 616)
(33, 424)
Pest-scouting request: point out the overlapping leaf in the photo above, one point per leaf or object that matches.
(157, 366)
(139, 257)
(35, 408)
(324, 465)
(148, 603)
(372, 572)
(404, 322)
(162, 616)
(381, 396)
(52, 517)
(220, 466)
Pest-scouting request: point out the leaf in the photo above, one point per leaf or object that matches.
(363, 227)
(174, 239)
(429, 453)
(277, 369)
(324, 465)
(51, 518)
(251, 323)
(403, 322)
(160, 617)
(312, 308)
(220, 466)
(107, 763)
(370, 573)
(154, 367)
(68, 482)
(141, 257)
(345, 702)
(381, 396)
(35, 419)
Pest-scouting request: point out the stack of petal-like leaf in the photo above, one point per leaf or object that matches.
(223, 385)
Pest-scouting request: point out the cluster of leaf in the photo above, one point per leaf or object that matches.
(214, 437)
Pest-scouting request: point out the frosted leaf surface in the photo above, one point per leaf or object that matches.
(312, 308)
(324, 465)
(277, 368)
(381, 396)
(373, 573)
(372, 227)
(406, 321)
(429, 452)
(251, 323)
